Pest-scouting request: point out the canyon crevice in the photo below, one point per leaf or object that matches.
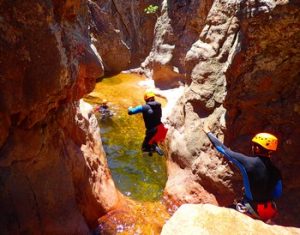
(239, 63)
(121, 32)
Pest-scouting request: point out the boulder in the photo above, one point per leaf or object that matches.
(208, 219)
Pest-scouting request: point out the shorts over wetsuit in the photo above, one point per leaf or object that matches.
(262, 180)
(152, 118)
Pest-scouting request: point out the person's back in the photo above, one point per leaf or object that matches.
(152, 114)
(263, 177)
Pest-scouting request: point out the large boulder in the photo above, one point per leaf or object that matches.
(53, 170)
(207, 219)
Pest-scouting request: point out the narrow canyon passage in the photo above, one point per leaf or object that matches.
(233, 65)
(139, 177)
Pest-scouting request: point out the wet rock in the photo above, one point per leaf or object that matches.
(209, 219)
(134, 218)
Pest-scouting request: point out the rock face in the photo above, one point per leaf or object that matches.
(240, 65)
(239, 62)
(211, 220)
(176, 30)
(267, 94)
(53, 172)
(122, 32)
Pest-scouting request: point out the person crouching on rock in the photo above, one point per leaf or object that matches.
(155, 130)
(262, 180)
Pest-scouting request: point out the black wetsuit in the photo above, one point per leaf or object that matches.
(262, 180)
(152, 118)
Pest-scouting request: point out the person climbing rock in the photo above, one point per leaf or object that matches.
(262, 180)
(155, 130)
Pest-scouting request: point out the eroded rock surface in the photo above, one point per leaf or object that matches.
(122, 32)
(53, 172)
(263, 90)
(176, 30)
(241, 70)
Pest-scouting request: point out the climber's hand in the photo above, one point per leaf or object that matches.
(206, 127)
(129, 110)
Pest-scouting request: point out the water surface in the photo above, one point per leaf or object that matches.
(140, 177)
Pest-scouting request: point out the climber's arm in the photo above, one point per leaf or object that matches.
(135, 110)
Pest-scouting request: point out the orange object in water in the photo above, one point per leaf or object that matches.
(266, 210)
(160, 134)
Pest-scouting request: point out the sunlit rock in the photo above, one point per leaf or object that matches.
(177, 28)
(207, 219)
(122, 32)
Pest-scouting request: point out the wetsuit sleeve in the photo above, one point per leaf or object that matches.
(229, 154)
(277, 190)
(137, 109)
(238, 159)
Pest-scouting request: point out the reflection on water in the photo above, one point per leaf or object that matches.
(141, 178)
(134, 218)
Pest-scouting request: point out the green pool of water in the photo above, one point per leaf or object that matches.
(139, 177)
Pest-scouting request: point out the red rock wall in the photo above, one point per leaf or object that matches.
(178, 27)
(263, 91)
(53, 173)
(241, 75)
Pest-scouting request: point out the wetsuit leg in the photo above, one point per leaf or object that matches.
(146, 147)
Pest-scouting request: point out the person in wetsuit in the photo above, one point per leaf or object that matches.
(262, 180)
(152, 118)
(103, 110)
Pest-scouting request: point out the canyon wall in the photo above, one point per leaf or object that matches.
(53, 171)
(239, 63)
(122, 32)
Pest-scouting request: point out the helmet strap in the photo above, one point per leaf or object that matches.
(150, 99)
(260, 151)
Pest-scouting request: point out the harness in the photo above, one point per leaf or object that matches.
(262, 211)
